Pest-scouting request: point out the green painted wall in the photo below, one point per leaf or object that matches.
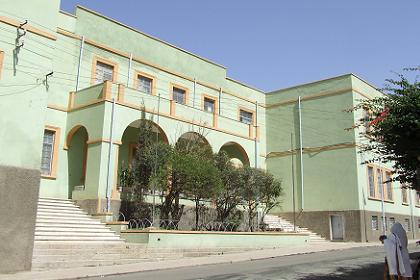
(172, 239)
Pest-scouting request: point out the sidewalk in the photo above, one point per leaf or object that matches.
(73, 273)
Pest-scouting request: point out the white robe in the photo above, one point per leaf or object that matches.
(396, 250)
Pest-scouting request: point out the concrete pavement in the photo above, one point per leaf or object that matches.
(74, 273)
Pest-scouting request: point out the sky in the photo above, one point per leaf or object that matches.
(274, 44)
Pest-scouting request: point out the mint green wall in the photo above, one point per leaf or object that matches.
(153, 50)
(329, 176)
(76, 154)
(175, 239)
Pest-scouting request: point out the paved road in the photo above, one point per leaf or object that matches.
(358, 263)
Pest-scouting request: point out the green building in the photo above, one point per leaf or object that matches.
(72, 88)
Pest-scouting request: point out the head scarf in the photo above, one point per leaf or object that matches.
(400, 232)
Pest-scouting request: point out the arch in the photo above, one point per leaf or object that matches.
(192, 136)
(70, 135)
(235, 152)
(77, 150)
(129, 141)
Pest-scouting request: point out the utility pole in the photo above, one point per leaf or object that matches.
(301, 154)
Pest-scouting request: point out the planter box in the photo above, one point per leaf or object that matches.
(212, 239)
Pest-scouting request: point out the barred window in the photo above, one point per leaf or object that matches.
(375, 224)
(47, 152)
(104, 72)
(179, 95)
(144, 84)
(245, 117)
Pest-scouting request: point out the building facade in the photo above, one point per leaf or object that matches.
(73, 87)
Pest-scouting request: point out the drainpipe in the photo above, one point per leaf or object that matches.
(301, 153)
(293, 182)
(411, 213)
(220, 101)
(156, 155)
(382, 201)
(195, 85)
(256, 158)
(108, 177)
(82, 46)
(129, 69)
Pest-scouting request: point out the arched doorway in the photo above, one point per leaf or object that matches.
(76, 143)
(190, 140)
(236, 153)
(130, 138)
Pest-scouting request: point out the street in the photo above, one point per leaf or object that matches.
(356, 263)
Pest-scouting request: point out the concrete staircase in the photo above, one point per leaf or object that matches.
(62, 220)
(67, 237)
(276, 223)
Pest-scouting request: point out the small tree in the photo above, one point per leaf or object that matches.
(202, 180)
(259, 187)
(394, 133)
(230, 195)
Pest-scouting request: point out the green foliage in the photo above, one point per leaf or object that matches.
(230, 195)
(395, 128)
(260, 188)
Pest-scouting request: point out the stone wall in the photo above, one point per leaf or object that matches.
(19, 190)
(357, 224)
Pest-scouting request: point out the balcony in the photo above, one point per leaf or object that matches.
(132, 98)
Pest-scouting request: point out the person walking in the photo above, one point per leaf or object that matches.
(397, 261)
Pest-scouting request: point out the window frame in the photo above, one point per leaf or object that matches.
(252, 112)
(212, 98)
(406, 201)
(54, 156)
(137, 75)
(377, 223)
(185, 89)
(95, 61)
(376, 172)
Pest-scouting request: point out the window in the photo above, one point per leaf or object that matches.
(388, 185)
(407, 225)
(179, 95)
(371, 182)
(417, 198)
(404, 195)
(379, 182)
(367, 116)
(103, 72)
(375, 224)
(376, 185)
(145, 84)
(49, 151)
(391, 221)
(418, 224)
(209, 105)
(245, 116)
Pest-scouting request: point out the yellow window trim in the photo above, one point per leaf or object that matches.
(171, 88)
(138, 74)
(95, 61)
(53, 173)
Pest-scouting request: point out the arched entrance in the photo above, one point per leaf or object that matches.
(236, 153)
(76, 144)
(189, 140)
(130, 138)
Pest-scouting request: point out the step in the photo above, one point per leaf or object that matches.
(61, 212)
(76, 238)
(72, 229)
(56, 200)
(73, 233)
(71, 225)
(57, 205)
(66, 219)
(86, 221)
(92, 263)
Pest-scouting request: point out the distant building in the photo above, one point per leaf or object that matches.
(71, 90)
